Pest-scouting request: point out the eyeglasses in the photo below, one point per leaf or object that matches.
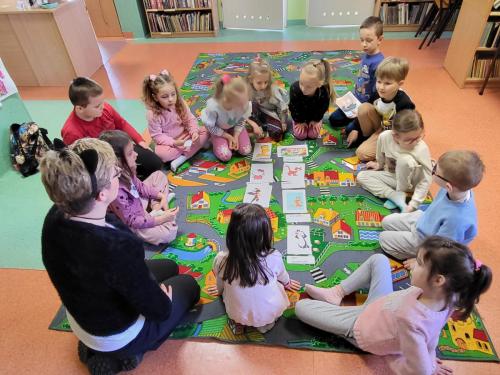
(118, 172)
(434, 168)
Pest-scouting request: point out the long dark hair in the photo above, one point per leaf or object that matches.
(466, 279)
(118, 140)
(249, 238)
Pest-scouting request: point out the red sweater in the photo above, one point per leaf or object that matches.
(75, 128)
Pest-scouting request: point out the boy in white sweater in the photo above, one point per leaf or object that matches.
(403, 164)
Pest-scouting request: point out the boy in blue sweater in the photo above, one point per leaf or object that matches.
(452, 214)
(371, 33)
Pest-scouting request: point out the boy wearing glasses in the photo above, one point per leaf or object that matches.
(452, 214)
(403, 164)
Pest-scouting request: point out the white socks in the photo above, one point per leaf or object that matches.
(176, 163)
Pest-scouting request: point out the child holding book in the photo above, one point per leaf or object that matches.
(377, 114)
(371, 35)
(269, 101)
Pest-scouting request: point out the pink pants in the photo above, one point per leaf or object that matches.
(305, 131)
(163, 233)
(168, 153)
(221, 145)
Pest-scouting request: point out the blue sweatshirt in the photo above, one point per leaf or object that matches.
(365, 84)
(450, 219)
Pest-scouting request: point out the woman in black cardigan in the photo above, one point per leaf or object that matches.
(118, 305)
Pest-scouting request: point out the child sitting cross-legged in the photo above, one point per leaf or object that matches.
(141, 205)
(404, 325)
(251, 275)
(269, 101)
(170, 122)
(403, 164)
(452, 214)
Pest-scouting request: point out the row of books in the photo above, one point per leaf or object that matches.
(480, 67)
(491, 35)
(404, 13)
(174, 4)
(182, 22)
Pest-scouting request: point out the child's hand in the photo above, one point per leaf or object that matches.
(212, 290)
(409, 263)
(441, 369)
(167, 289)
(179, 142)
(410, 209)
(293, 285)
(373, 165)
(352, 137)
(284, 126)
(169, 215)
(233, 143)
(195, 136)
(163, 202)
(256, 128)
(316, 126)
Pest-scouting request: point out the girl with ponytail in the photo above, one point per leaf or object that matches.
(310, 98)
(403, 325)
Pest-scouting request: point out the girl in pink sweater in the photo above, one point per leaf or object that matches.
(403, 325)
(171, 124)
(251, 276)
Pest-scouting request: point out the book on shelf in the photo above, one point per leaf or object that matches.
(480, 67)
(404, 13)
(491, 35)
(177, 4)
(182, 22)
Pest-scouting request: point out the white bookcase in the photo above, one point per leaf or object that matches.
(338, 12)
(254, 14)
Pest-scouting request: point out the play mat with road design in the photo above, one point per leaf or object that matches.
(344, 229)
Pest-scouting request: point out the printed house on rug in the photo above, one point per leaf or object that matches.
(368, 218)
(341, 230)
(200, 201)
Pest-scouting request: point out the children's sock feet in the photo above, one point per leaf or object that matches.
(399, 199)
(266, 328)
(331, 295)
(177, 163)
(390, 205)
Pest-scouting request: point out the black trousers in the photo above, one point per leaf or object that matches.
(185, 293)
(147, 162)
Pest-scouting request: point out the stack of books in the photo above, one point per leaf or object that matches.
(491, 35)
(404, 13)
(177, 4)
(180, 22)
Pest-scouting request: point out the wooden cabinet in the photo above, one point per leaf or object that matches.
(465, 42)
(104, 18)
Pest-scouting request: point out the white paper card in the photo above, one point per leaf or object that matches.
(294, 201)
(349, 104)
(262, 152)
(293, 151)
(298, 218)
(293, 159)
(300, 259)
(298, 240)
(261, 172)
(258, 193)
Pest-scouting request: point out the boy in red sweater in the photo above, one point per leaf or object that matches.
(91, 116)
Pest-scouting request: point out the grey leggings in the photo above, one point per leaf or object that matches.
(375, 273)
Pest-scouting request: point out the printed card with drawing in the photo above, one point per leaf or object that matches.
(294, 201)
(298, 218)
(293, 172)
(262, 152)
(293, 151)
(258, 193)
(261, 172)
(294, 184)
(349, 104)
(298, 240)
(300, 259)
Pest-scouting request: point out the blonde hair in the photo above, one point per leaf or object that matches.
(322, 71)
(151, 86)
(462, 168)
(67, 180)
(260, 66)
(407, 120)
(394, 68)
(234, 87)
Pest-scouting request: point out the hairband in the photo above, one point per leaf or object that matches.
(89, 158)
(477, 264)
(152, 77)
(226, 78)
(164, 72)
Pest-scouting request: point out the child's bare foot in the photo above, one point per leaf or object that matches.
(410, 263)
(331, 295)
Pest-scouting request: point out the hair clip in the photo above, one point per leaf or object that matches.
(226, 78)
(258, 58)
(152, 77)
(477, 264)
(165, 72)
(90, 158)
